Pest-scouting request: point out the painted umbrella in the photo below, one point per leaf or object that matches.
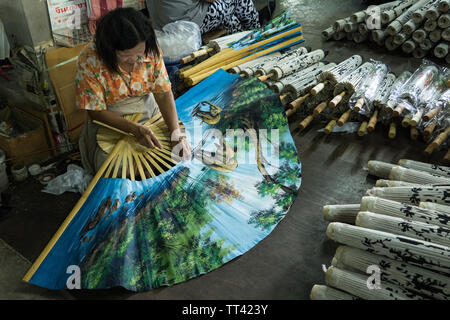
(197, 215)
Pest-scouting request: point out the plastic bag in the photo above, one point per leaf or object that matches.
(74, 180)
(178, 39)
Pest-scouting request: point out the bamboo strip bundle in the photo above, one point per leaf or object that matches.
(265, 68)
(390, 15)
(419, 15)
(409, 250)
(286, 68)
(356, 284)
(392, 183)
(230, 53)
(399, 28)
(444, 5)
(414, 195)
(346, 87)
(427, 167)
(319, 292)
(345, 213)
(327, 34)
(434, 206)
(333, 76)
(403, 227)
(307, 73)
(444, 21)
(419, 280)
(394, 27)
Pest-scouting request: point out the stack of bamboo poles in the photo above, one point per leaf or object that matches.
(395, 243)
(230, 57)
(418, 27)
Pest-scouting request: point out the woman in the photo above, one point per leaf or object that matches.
(122, 72)
(233, 15)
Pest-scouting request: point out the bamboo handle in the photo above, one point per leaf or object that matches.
(306, 122)
(358, 105)
(392, 130)
(318, 88)
(414, 133)
(265, 77)
(431, 114)
(320, 108)
(441, 138)
(429, 130)
(373, 121)
(344, 118)
(336, 100)
(330, 126)
(416, 118)
(429, 150)
(398, 110)
(294, 105)
(447, 155)
(406, 121)
(362, 129)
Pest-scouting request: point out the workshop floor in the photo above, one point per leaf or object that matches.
(289, 261)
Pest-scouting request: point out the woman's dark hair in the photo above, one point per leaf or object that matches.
(123, 29)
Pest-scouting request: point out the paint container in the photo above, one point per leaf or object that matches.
(34, 169)
(19, 172)
(4, 183)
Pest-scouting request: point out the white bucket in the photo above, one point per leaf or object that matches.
(4, 183)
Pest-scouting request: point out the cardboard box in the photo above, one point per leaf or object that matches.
(29, 147)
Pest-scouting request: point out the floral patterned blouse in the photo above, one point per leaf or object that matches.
(97, 87)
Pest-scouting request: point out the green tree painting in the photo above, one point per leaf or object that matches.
(162, 244)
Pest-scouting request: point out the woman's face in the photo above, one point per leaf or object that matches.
(130, 56)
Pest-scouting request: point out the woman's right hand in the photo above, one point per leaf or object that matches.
(146, 137)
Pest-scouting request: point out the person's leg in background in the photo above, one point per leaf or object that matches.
(233, 15)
